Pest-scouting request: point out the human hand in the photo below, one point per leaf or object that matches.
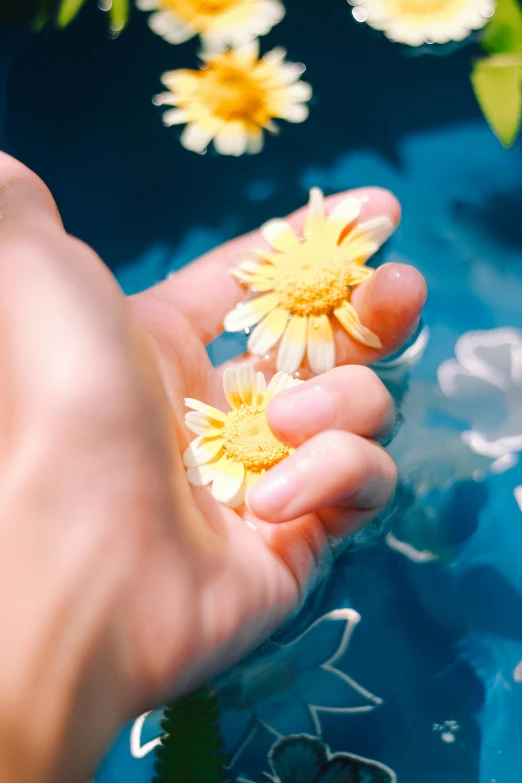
(122, 583)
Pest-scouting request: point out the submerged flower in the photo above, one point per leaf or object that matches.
(485, 384)
(416, 22)
(233, 98)
(218, 22)
(233, 450)
(305, 283)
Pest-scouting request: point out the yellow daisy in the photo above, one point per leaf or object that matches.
(233, 97)
(416, 22)
(218, 22)
(305, 283)
(233, 450)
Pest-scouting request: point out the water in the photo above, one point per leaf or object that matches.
(429, 615)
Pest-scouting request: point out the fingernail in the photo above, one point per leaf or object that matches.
(272, 493)
(305, 408)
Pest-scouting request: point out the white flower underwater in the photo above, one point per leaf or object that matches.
(305, 285)
(293, 684)
(233, 98)
(416, 22)
(218, 22)
(485, 382)
(233, 450)
(304, 673)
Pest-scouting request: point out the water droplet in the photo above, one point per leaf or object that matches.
(157, 100)
(105, 5)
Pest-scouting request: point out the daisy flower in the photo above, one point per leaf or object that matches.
(233, 97)
(306, 284)
(416, 22)
(218, 22)
(234, 449)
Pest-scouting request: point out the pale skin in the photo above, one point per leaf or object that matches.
(123, 585)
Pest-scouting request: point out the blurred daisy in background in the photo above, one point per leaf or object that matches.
(416, 22)
(218, 22)
(233, 98)
(233, 450)
(305, 285)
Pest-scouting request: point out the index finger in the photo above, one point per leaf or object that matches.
(205, 292)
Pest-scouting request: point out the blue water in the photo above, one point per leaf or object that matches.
(440, 636)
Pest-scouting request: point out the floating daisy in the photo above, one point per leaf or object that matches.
(218, 22)
(233, 97)
(307, 283)
(233, 450)
(416, 22)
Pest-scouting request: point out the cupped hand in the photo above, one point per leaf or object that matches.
(125, 584)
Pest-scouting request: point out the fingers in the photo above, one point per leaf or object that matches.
(205, 291)
(332, 469)
(24, 199)
(347, 398)
(389, 304)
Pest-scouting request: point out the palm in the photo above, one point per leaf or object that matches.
(245, 580)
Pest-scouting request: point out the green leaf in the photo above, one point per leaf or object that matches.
(497, 82)
(119, 13)
(42, 15)
(67, 11)
(190, 750)
(504, 33)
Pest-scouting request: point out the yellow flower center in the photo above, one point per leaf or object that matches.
(231, 94)
(248, 439)
(311, 283)
(188, 9)
(422, 8)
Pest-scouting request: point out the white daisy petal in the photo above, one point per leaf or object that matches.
(209, 411)
(255, 143)
(344, 214)
(299, 92)
(268, 332)
(280, 235)
(199, 424)
(275, 56)
(249, 313)
(246, 383)
(293, 345)
(232, 140)
(172, 29)
(261, 388)
(377, 230)
(227, 486)
(278, 384)
(231, 387)
(358, 274)
(148, 5)
(320, 344)
(201, 451)
(295, 112)
(287, 73)
(315, 214)
(202, 474)
(349, 319)
(421, 22)
(175, 117)
(196, 138)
